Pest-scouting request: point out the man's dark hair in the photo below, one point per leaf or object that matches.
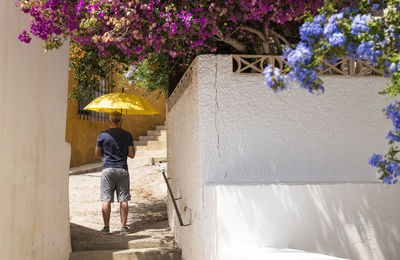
(115, 117)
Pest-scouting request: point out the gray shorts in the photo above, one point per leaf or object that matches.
(114, 179)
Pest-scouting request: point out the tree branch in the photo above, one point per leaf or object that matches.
(263, 38)
(235, 44)
(279, 36)
(266, 35)
(255, 31)
(232, 42)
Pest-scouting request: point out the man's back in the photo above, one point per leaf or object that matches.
(115, 143)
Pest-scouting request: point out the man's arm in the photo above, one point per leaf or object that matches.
(99, 152)
(99, 146)
(131, 151)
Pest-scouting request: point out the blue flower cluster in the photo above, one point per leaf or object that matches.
(301, 54)
(389, 167)
(394, 67)
(392, 112)
(330, 30)
(395, 37)
(391, 170)
(393, 137)
(300, 57)
(392, 173)
(274, 79)
(367, 51)
(311, 32)
(337, 39)
(360, 24)
(375, 160)
(307, 77)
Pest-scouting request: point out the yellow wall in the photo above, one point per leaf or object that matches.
(82, 134)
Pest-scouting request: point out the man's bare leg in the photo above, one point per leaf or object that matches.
(106, 210)
(124, 213)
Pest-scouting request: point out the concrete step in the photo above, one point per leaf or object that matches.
(161, 127)
(152, 153)
(150, 147)
(153, 138)
(159, 160)
(92, 255)
(145, 161)
(139, 162)
(150, 143)
(165, 242)
(129, 254)
(92, 167)
(157, 132)
(149, 254)
(139, 143)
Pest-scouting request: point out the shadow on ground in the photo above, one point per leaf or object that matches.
(144, 216)
(147, 222)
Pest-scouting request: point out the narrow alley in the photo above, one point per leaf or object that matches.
(150, 236)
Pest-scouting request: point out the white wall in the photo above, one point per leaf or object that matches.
(184, 168)
(247, 139)
(34, 157)
(250, 134)
(354, 221)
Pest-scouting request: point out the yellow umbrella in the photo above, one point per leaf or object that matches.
(124, 103)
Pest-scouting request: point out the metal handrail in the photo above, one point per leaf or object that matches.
(173, 200)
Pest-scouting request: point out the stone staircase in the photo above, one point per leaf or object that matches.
(130, 254)
(138, 246)
(152, 148)
(150, 236)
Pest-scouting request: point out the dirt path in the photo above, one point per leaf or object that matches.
(147, 217)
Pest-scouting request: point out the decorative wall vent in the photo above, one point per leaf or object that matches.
(255, 64)
(349, 67)
(250, 64)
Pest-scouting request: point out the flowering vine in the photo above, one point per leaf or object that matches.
(129, 31)
(365, 30)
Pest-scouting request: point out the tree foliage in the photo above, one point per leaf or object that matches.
(129, 31)
(151, 74)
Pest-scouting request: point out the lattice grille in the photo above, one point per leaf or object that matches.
(250, 64)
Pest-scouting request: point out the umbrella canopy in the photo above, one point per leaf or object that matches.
(126, 104)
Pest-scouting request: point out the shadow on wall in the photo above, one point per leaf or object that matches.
(356, 221)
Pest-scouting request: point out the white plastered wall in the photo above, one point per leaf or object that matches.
(288, 155)
(184, 168)
(34, 157)
(252, 134)
(353, 221)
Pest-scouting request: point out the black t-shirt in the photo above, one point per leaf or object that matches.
(115, 142)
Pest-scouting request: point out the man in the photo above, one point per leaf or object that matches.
(114, 146)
